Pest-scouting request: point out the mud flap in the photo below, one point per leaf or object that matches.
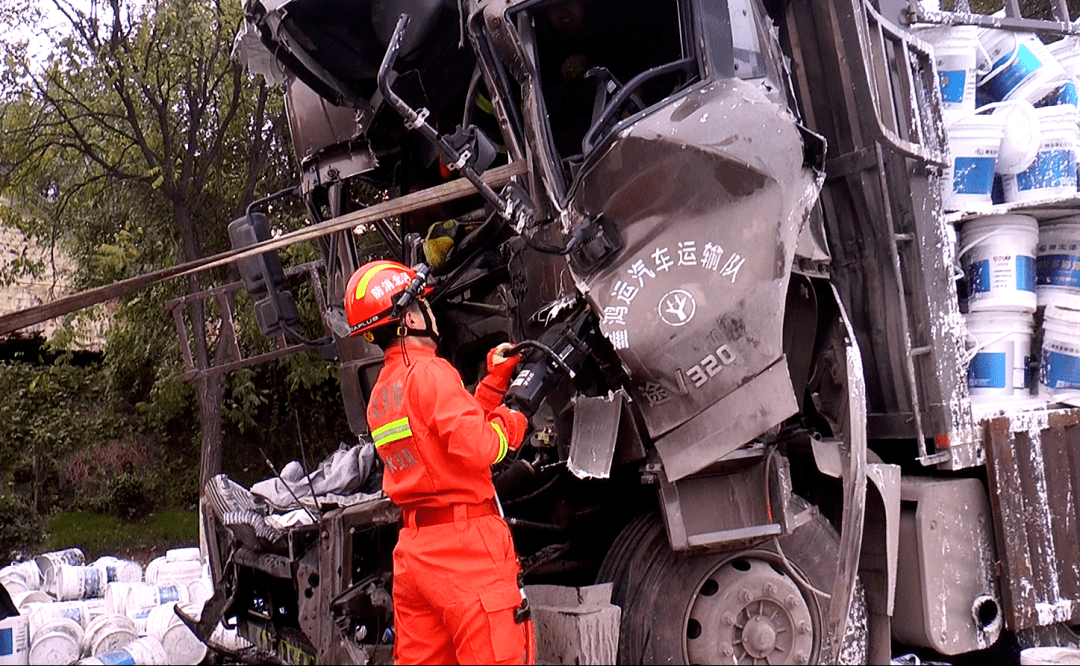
(853, 477)
(604, 434)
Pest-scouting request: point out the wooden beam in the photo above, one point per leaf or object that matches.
(414, 201)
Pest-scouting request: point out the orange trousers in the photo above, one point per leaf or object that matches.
(455, 592)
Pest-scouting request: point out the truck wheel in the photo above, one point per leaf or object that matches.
(752, 606)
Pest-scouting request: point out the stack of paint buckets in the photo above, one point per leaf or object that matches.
(998, 255)
(105, 611)
(1010, 110)
(1058, 277)
(1017, 268)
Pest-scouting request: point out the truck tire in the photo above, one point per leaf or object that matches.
(751, 606)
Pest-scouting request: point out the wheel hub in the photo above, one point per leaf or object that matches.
(748, 612)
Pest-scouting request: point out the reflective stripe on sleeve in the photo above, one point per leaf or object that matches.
(391, 432)
(503, 446)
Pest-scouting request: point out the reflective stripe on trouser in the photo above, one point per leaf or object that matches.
(455, 591)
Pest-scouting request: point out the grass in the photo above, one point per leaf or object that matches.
(140, 540)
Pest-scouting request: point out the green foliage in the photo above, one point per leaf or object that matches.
(127, 497)
(99, 535)
(22, 530)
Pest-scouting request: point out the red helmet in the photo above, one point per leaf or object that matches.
(373, 289)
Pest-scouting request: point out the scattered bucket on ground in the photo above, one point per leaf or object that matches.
(180, 644)
(118, 570)
(998, 256)
(55, 642)
(48, 561)
(108, 633)
(14, 641)
(144, 650)
(77, 582)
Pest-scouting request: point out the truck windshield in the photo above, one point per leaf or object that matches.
(602, 61)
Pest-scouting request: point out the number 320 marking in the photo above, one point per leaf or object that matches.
(710, 365)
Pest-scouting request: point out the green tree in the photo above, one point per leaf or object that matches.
(132, 145)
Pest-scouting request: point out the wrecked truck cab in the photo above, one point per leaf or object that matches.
(670, 345)
(703, 179)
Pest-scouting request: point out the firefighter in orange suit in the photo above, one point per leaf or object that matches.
(456, 594)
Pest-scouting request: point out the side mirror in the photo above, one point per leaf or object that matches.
(263, 276)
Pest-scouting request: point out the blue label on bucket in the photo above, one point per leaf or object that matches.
(1065, 94)
(1051, 169)
(1061, 371)
(987, 370)
(7, 642)
(118, 658)
(168, 595)
(952, 85)
(1025, 273)
(979, 277)
(1022, 66)
(1058, 270)
(973, 175)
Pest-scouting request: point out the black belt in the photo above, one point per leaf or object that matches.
(425, 516)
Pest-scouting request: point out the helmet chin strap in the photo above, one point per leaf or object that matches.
(428, 331)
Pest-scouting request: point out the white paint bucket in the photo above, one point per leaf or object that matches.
(1057, 264)
(139, 618)
(1053, 173)
(14, 641)
(75, 611)
(1060, 368)
(77, 582)
(998, 256)
(183, 555)
(24, 601)
(118, 570)
(152, 569)
(955, 54)
(968, 180)
(181, 645)
(178, 572)
(14, 583)
(1023, 68)
(998, 363)
(200, 590)
(229, 639)
(47, 561)
(1065, 93)
(108, 633)
(1067, 52)
(141, 596)
(28, 571)
(145, 650)
(55, 642)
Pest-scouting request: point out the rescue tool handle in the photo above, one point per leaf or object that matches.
(412, 292)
